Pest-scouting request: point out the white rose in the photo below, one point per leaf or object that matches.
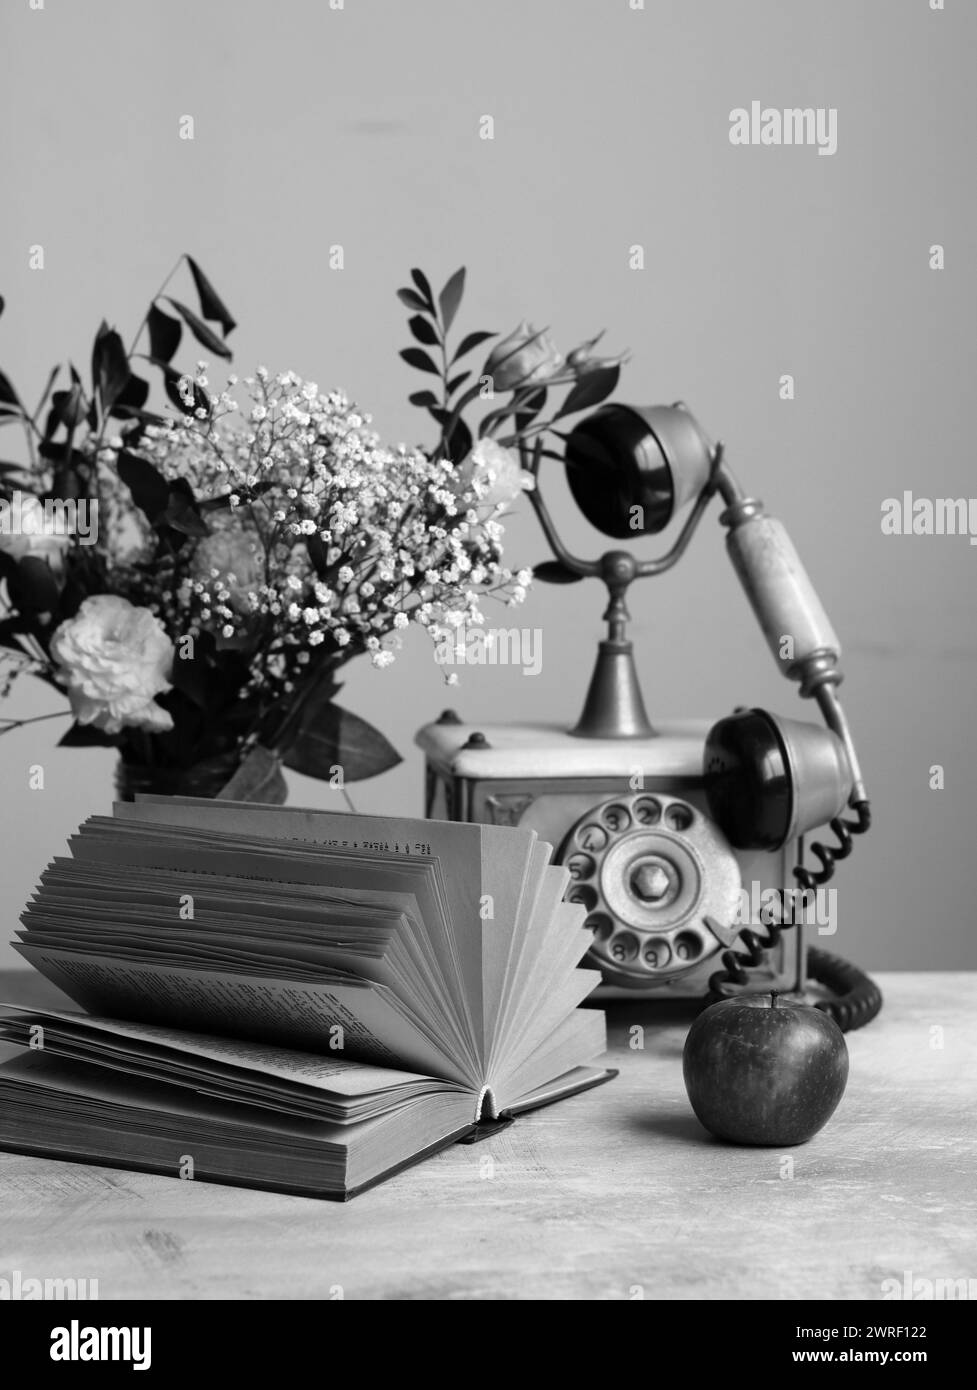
(38, 534)
(114, 659)
(494, 473)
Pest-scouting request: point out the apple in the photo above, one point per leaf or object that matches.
(761, 1069)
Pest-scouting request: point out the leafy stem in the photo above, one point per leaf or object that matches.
(149, 308)
(430, 324)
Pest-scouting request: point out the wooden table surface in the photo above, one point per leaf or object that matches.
(614, 1194)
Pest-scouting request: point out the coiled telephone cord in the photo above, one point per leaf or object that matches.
(856, 999)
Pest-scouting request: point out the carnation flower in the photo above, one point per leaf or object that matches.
(114, 659)
(38, 535)
(494, 474)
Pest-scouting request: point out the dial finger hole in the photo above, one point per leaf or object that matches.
(647, 811)
(591, 836)
(601, 925)
(657, 953)
(688, 947)
(581, 893)
(580, 866)
(678, 816)
(616, 818)
(624, 947)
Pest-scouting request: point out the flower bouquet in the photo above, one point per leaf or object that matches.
(193, 577)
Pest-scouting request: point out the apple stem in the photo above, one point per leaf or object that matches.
(773, 999)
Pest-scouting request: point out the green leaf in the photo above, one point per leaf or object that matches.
(316, 548)
(450, 297)
(68, 408)
(110, 367)
(52, 378)
(456, 381)
(211, 305)
(423, 329)
(204, 335)
(529, 409)
(423, 398)
(258, 778)
(424, 285)
(591, 389)
(192, 676)
(182, 512)
(87, 736)
(417, 357)
(92, 416)
(9, 400)
(72, 473)
(131, 398)
(555, 572)
(165, 333)
(494, 416)
(471, 340)
(456, 434)
(9, 629)
(150, 490)
(337, 738)
(217, 504)
(60, 453)
(460, 443)
(413, 300)
(3, 303)
(35, 586)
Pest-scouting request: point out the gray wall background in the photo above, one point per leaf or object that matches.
(316, 126)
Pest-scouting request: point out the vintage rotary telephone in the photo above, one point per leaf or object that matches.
(662, 829)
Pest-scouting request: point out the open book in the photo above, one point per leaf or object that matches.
(300, 1000)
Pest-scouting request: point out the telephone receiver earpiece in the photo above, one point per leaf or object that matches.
(769, 780)
(632, 468)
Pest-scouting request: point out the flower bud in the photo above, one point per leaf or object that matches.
(524, 358)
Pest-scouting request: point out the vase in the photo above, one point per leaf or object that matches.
(205, 779)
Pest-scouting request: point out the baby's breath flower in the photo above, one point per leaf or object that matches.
(353, 540)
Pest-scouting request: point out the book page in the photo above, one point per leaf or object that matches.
(457, 847)
(580, 1038)
(504, 931)
(274, 866)
(333, 1073)
(363, 1017)
(545, 888)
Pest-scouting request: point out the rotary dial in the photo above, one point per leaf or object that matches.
(652, 872)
